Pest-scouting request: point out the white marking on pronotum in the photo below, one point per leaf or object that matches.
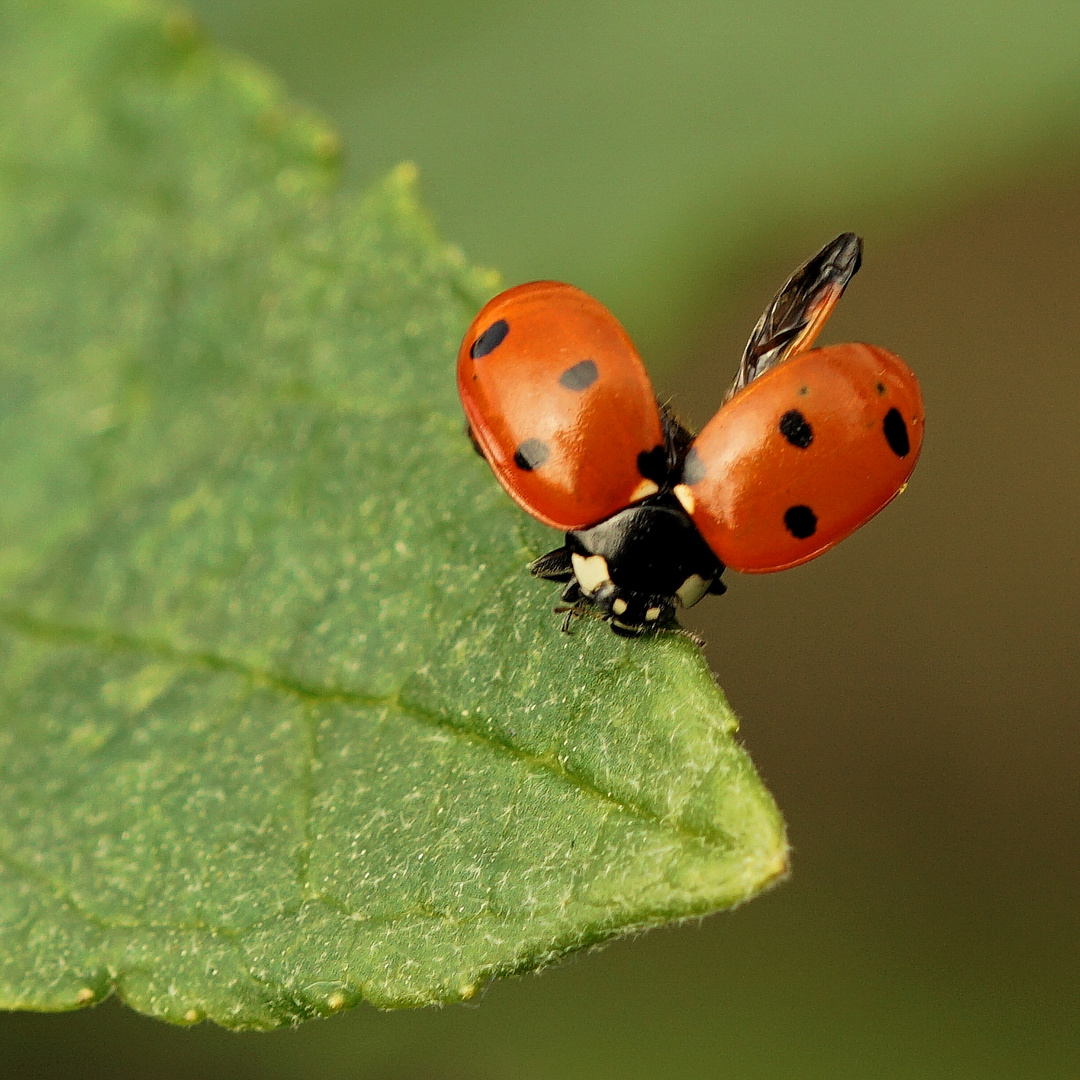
(652, 614)
(591, 572)
(692, 590)
(685, 496)
(644, 490)
(619, 606)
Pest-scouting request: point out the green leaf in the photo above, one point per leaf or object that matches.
(285, 724)
(654, 151)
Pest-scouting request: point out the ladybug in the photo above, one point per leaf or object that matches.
(808, 445)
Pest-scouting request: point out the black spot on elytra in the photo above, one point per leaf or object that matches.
(652, 464)
(801, 521)
(896, 433)
(693, 470)
(794, 428)
(881, 388)
(803, 391)
(531, 454)
(490, 339)
(580, 376)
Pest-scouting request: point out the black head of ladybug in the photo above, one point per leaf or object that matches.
(635, 568)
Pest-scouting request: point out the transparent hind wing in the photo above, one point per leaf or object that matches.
(800, 309)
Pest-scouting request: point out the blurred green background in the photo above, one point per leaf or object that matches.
(911, 698)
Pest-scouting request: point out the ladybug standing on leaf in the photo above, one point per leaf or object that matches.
(808, 445)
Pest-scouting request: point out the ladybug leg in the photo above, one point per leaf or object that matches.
(554, 566)
(579, 610)
(572, 592)
(573, 611)
(717, 588)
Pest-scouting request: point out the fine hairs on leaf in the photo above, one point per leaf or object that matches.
(286, 725)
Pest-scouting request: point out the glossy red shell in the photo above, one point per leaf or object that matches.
(561, 406)
(753, 484)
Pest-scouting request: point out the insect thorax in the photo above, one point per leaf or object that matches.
(638, 565)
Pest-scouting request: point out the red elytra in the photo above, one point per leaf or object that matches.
(559, 404)
(809, 446)
(818, 444)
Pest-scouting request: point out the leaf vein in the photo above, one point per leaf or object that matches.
(109, 641)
